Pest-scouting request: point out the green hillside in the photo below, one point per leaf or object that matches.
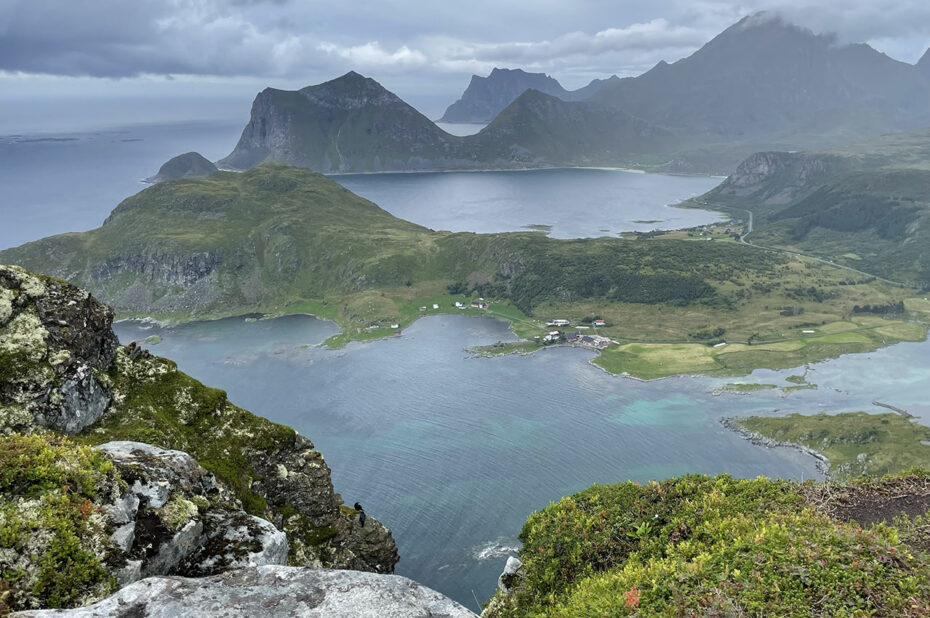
(865, 205)
(280, 239)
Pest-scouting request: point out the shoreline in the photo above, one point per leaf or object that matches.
(731, 423)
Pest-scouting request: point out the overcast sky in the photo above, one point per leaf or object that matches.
(425, 51)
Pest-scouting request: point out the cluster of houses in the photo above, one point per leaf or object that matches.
(592, 341)
(475, 304)
(561, 322)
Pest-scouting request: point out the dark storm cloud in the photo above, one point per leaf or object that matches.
(281, 38)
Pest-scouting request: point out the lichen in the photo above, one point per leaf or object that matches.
(7, 297)
(177, 512)
(59, 357)
(24, 337)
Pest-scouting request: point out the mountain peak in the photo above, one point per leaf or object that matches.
(349, 91)
(924, 63)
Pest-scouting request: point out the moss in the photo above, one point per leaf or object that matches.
(157, 404)
(49, 491)
(710, 546)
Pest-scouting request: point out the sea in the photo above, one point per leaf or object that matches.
(453, 452)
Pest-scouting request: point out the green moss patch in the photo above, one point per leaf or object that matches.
(53, 543)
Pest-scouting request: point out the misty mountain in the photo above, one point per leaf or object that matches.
(485, 97)
(763, 78)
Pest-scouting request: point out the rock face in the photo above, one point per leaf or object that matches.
(273, 592)
(176, 518)
(485, 97)
(349, 124)
(54, 341)
(187, 165)
(266, 495)
(117, 513)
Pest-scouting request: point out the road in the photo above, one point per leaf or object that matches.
(743, 240)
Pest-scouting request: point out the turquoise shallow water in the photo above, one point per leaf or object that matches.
(454, 452)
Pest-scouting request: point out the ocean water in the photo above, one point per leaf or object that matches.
(454, 452)
(69, 182)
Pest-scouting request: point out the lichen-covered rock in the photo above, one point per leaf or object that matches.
(75, 521)
(61, 367)
(273, 592)
(54, 340)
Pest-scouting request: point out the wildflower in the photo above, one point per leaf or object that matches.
(632, 597)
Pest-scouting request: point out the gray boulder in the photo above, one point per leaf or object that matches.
(273, 592)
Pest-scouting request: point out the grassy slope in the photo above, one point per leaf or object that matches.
(865, 205)
(279, 239)
(705, 546)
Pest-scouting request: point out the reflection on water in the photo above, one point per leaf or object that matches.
(568, 203)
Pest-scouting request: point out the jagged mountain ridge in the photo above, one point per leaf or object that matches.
(762, 84)
(353, 124)
(766, 78)
(485, 97)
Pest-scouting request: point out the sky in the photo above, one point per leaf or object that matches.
(169, 59)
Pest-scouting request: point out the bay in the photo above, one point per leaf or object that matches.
(454, 452)
(567, 202)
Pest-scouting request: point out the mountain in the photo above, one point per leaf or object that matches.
(351, 123)
(924, 63)
(485, 97)
(766, 79)
(187, 165)
(762, 84)
(539, 129)
(865, 205)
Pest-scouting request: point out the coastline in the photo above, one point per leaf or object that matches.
(733, 424)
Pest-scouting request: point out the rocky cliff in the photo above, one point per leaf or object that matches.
(187, 165)
(63, 371)
(349, 124)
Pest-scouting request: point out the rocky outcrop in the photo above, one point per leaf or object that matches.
(273, 592)
(54, 341)
(263, 495)
(177, 518)
(187, 165)
(79, 521)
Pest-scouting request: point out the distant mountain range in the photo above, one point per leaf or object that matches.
(485, 97)
(762, 84)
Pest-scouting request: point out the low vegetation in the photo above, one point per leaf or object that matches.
(49, 488)
(856, 443)
(697, 545)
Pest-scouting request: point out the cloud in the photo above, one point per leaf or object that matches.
(371, 54)
(317, 39)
